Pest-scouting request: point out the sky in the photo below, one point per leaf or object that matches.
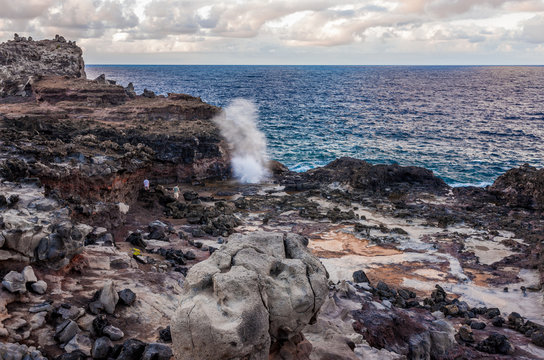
(364, 32)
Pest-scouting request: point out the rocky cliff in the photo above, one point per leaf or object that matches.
(23, 61)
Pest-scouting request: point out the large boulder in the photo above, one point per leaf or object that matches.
(521, 187)
(22, 61)
(256, 290)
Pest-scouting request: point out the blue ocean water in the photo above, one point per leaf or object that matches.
(468, 124)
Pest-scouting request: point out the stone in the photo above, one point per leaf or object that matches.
(255, 289)
(190, 195)
(14, 282)
(80, 343)
(477, 325)
(537, 338)
(101, 348)
(109, 297)
(165, 335)
(359, 276)
(29, 275)
(132, 350)
(492, 312)
(127, 297)
(465, 334)
(451, 310)
(156, 351)
(65, 331)
(41, 307)
(113, 332)
(498, 321)
(495, 344)
(157, 230)
(136, 239)
(39, 287)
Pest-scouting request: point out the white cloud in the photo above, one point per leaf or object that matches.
(265, 28)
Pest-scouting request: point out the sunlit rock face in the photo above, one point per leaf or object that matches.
(256, 290)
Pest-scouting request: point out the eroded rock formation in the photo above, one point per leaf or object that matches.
(23, 61)
(258, 289)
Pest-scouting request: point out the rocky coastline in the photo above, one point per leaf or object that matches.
(348, 261)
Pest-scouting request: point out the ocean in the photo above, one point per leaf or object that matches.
(468, 124)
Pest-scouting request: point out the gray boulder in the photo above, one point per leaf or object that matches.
(14, 282)
(39, 287)
(65, 331)
(109, 297)
(113, 332)
(79, 343)
(257, 289)
(29, 275)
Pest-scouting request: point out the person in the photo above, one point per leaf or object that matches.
(176, 192)
(146, 185)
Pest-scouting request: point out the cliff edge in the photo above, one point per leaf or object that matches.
(23, 61)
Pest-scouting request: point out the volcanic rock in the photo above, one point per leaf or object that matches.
(257, 289)
(23, 62)
(156, 351)
(14, 282)
(101, 348)
(127, 296)
(521, 187)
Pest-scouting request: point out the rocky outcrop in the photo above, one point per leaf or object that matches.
(23, 61)
(521, 187)
(364, 176)
(256, 291)
(36, 228)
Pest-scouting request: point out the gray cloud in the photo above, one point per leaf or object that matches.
(278, 26)
(533, 30)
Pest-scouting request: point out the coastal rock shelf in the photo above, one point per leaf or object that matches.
(347, 261)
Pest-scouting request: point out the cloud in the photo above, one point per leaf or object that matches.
(280, 26)
(27, 9)
(533, 30)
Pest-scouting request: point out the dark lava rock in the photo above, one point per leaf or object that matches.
(74, 355)
(190, 195)
(99, 323)
(359, 276)
(498, 321)
(165, 335)
(158, 230)
(515, 321)
(465, 334)
(136, 239)
(438, 295)
(521, 187)
(101, 348)
(495, 344)
(156, 351)
(477, 325)
(127, 296)
(492, 312)
(537, 337)
(132, 350)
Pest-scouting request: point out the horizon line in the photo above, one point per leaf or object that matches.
(384, 65)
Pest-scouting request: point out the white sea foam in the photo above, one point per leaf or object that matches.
(238, 125)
